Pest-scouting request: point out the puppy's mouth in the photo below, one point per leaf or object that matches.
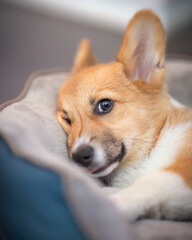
(109, 167)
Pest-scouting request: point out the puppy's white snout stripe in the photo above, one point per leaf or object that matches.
(79, 142)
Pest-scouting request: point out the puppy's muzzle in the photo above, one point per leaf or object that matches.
(83, 155)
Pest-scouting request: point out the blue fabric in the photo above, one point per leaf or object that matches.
(32, 205)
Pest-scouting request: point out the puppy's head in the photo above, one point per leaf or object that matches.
(110, 112)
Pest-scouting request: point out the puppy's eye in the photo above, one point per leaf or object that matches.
(67, 120)
(104, 106)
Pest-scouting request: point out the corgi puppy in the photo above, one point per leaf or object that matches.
(123, 126)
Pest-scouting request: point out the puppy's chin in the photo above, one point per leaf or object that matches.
(102, 172)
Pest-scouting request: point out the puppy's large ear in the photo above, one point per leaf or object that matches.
(143, 48)
(84, 57)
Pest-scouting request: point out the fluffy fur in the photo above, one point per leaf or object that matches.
(142, 146)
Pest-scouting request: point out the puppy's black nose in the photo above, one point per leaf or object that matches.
(83, 155)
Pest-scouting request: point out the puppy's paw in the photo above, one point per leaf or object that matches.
(135, 205)
(131, 208)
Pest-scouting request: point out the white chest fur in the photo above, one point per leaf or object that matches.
(163, 155)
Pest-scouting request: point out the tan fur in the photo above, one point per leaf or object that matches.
(142, 107)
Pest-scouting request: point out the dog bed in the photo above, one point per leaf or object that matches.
(43, 195)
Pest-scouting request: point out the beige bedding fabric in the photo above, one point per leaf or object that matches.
(30, 128)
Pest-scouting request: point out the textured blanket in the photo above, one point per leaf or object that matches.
(28, 124)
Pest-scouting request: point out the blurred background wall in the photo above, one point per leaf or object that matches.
(41, 34)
